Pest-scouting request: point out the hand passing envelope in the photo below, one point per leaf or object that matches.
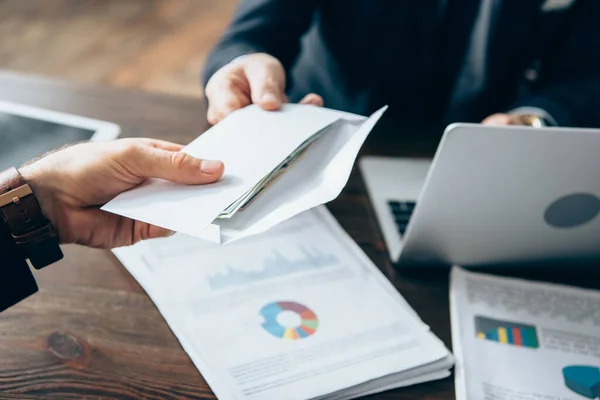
(277, 164)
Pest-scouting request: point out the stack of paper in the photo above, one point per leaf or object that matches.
(298, 312)
(277, 165)
(523, 340)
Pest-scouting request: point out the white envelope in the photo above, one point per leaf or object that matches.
(251, 143)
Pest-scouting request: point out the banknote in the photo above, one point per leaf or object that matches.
(246, 199)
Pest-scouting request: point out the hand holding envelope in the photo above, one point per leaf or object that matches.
(277, 165)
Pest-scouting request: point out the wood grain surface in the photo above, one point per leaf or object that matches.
(157, 45)
(92, 332)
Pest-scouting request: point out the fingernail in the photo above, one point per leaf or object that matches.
(269, 97)
(211, 166)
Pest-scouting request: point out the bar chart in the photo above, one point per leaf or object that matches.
(506, 332)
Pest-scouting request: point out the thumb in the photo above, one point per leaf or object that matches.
(175, 166)
(497, 119)
(267, 81)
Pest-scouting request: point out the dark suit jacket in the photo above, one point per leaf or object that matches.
(16, 280)
(362, 54)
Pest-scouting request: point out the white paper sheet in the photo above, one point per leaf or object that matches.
(252, 142)
(522, 340)
(367, 338)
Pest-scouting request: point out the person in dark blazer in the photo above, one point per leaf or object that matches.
(431, 61)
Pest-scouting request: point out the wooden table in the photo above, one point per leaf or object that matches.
(92, 331)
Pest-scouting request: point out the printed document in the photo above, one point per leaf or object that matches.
(299, 312)
(515, 339)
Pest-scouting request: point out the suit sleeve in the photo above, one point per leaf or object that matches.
(270, 26)
(569, 89)
(16, 280)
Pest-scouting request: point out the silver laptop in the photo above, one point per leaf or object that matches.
(491, 196)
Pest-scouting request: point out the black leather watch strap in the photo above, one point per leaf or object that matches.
(31, 231)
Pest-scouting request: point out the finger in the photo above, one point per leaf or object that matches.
(155, 232)
(226, 92)
(144, 231)
(96, 228)
(110, 230)
(162, 144)
(497, 119)
(312, 99)
(223, 104)
(267, 81)
(179, 167)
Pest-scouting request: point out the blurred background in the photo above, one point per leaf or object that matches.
(156, 45)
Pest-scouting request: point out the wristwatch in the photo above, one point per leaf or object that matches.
(31, 231)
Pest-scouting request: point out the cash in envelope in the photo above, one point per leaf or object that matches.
(246, 199)
(281, 164)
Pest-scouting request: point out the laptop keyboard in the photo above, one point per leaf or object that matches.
(402, 211)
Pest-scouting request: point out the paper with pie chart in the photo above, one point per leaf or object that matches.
(299, 312)
(306, 325)
(518, 339)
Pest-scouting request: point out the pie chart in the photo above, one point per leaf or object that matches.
(304, 321)
(583, 380)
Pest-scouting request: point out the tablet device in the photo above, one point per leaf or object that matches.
(27, 132)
